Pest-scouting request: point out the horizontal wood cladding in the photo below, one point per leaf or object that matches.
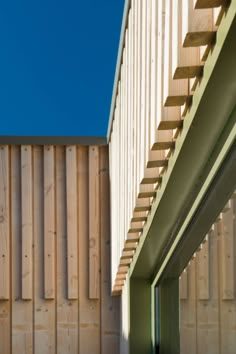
(55, 291)
(207, 291)
(165, 45)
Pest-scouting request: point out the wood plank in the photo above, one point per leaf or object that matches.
(206, 4)
(203, 272)
(143, 205)
(197, 25)
(208, 317)
(27, 221)
(110, 309)
(135, 227)
(67, 310)
(44, 323)
(4, 224)
(164, 140)
(156, 159)
(5, 276)
(89, 310)
(186, 62)
(94, 221)
(139, 216)
(167, 118)
(228, 267)
(184, 285)
(188, 319)
(122, 269)
(175, 92)
(49, 223)
(22, 311)
(72, 231)
(146, 191)
(151, 176)
(227, 306)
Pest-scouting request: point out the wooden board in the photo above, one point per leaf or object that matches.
(197, 25)
(5, 243)
(94, 224)
(44, 325)
(4, 224)
(22, 311)
(49, 223)
(66, 310)
(175, 92)
(110, 316)
(27, 221)
(72, 232)
(186, 62)
(89, 310)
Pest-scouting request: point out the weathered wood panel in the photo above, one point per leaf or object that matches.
(46, 207)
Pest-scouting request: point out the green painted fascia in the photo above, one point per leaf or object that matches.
(194, 155)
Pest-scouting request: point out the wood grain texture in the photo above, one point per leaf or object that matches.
(5, 252)
(49, 223)
(89, 310)
(94, 224)
(27, 221)
(4, 224)
(72, 224)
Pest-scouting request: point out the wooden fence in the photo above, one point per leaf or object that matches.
(55, 251)
(208, 291)
(163, 51)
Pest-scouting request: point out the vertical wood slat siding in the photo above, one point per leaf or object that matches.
(157, 78)
(56, 324)
(211, 291)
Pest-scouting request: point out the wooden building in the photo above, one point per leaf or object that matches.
(128, 245)
(173, 175)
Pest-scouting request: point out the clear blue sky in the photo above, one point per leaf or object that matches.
(57, 65)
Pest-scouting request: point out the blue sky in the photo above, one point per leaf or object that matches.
(57, 65)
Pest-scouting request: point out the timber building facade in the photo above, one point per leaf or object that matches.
(128, 244)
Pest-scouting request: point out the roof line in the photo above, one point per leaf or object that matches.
(53, 140)
(118, 66)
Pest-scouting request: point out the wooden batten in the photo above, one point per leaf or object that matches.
(156, 159)
(27, 221)
(151, 176)
(206, 4)
(227, 254)
(139, 216)
(184, 285)
(163, 140)
(146, 191)
(197, 25)
(203, 272)
(143, 205)
(175, 92)
(136, 227)
(130, 246)
(49, 222)
(122, 270)
(4, 224)
(72, 229)
(132, 237)
(94, 224)
(127, 254)
(186, 62)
